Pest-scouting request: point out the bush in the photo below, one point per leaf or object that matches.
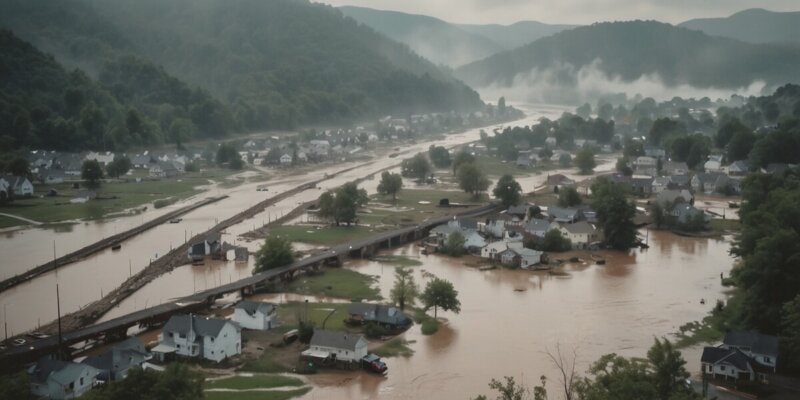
(305, 332)
(373, 330)
(430, 326)
(161, 203)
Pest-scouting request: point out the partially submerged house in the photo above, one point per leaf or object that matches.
(336, 346)
(742, 356)
(520, 257)
(256, 315)
(582, 234)
(56, 379)
(387, 316)
(115, 363)
(198, 336)
(211, 245)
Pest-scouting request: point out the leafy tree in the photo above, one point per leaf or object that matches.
(405, 290)
(508, 191)
(390, 184)
(176, 382)
(584, 160)
(584, 111)
(564, 160)
(658, 214)
(616, 377)
(534, 211)
(417, 167)
(227, 154)
(728, 130)
(790, 335)
(19, 167)
(120, 166)
(553, 241)
(454, 245)
(501, 106)
(623, 167)
(91, 172)
(615, 214)
(507, 151)
(462, 157)
(663, 128)
(472, 180)
(16, 386)
(440, 293)
(341, 205)
(439, 156)
(741, 145)
(569, 197)
(276, 252)
(633, 149)
(668, 372)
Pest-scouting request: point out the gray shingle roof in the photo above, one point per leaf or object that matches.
(63, 372)
(714, 355)
(251, 307)
(757, 342)
(379, 313)
(201, 326)
(337, 340)
(580, 227)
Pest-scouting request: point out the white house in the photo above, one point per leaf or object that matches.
(102, 158)
(581, 233)
(645, 165)
(115, 363)
(473, 240)
(521, 257)
(742, 356)
(286, 159)
(19, 185)
(198, 336)
(492, 250)
(763, 349)
(256, 315)
(341, 346)
(56, 379)
(540, 227)
(714, 164)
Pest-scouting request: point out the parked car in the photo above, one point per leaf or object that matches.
(373, 363)
(19, 342)
(38, 335)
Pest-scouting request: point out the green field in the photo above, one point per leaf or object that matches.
(7, 222)
(113, 197)
(316, 313)
(257, 395)
(336, 282)
(324, 236)
(253, 382)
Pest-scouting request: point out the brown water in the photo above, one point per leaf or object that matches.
(509, 319)
(83, 282)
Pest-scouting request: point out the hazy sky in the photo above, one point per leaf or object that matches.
(569, 11)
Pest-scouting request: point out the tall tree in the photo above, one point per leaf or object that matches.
(417, 167)
(615, 214)
(790, 335)
(669, 370)
(584, 160)
(276, 252)
(19, 167)
(440, 293)
(341, 205)
(91, 172)
(390, 184)
(508, 191)
(461, 158)
(120, 166)
(176, 382)
(472, 180)
(569, 197)
(439, 156)
(405, 290)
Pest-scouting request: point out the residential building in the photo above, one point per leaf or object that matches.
(18, 185)
(660, 184)
(742, 356)
(51, 176)
(520, 257)
(492, 250)
(286, 159)
(685, 213)
(739, 168)
(473, 241)
(675, 168)
(679, 182)
(336, 346)
(539, 227)
(115, 363)
(762, 348)
(564, 215)
(56, 379)
(645, 165)
(714, 163)
(198, 336)
(387, 316)
(582, 234)
(520, 211)
(709, 182)
(103, 158)
(141, 161)
(654, 151)
(211, 245)
(256, 315)
(642, 185)
(670, 197)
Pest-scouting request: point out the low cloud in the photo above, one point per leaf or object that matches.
(565, 84)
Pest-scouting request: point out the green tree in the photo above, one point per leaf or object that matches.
(584, 160)
(633, 149)
(417, 167)
(120, 166)
(276, 252)
(461, 158)
(19, 167)
(616, 377)
(176, 382)
(439, 156)
(341, 205)
(227, 154)
(663, 128)
(472, 180)
(501, 106)
(615, 214)
(390, 184)
(405, 289)
(92, 173)
(668, 368)
(740, 145)
(728, 130)
(569, 197)
(508, 191)
(16, 386)
(564, 160)
(440, 293)
(658, 214)
(790, 335)
(553, 241)
(454, 245)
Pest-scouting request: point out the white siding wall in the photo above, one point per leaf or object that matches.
(258, 321)
(227, 344)
(346, 355)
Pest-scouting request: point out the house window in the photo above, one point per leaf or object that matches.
(169, 334)
(767, 359)
(179, 346)
(212, 339)
(81, 381)
(182, 336)
(722, 368)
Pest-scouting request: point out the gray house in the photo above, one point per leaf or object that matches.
(742, 356)
(56, 379)
(115, 363)
(388, 316)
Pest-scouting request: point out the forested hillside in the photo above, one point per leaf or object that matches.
(631, 50)
(754, 26)
(274, 64)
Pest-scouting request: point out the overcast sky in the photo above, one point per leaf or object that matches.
(569, 11)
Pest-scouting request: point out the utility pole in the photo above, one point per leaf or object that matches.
(58, 311)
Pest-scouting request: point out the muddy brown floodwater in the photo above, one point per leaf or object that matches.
(509, 319)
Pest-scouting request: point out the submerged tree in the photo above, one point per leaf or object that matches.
(440, 293)
(390, 184)
(472, 180)
(508, 191)
(276, 252)
(91, 172)
(405, 290)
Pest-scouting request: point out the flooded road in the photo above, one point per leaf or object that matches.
(509, 319)
(34, 302)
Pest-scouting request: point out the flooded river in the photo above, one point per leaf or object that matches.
(33, 303)
(509, 319)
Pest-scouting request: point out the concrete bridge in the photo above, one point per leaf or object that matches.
(14, 358)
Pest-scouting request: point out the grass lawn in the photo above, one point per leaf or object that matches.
(337, 282)
(317, 312)
(265, 363)
(325, 236)
(397, 260)
(724, 225)
(257, 395)
(114, 197)
(428, 324)
(394, 348)
(253, 382)
(713, 327)
(7, 222)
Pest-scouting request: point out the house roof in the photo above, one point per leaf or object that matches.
(63, 372)
(562, 214)
(122, 356)
(757, 342)
(668, 197)
(675, 165)
(537, 225)
(518, 210)
(581, 227)
(202, 326)
(251, 307)
(741, 165)
(716, 355)
(679, 179)
(337, 340)
(710, 177)
(379, 313)
(559, 179)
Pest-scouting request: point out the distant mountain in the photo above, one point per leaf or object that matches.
(432, 38)
(753, 26)
(517, 34)
(627, 51)
(274, 64)
(447, 43)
